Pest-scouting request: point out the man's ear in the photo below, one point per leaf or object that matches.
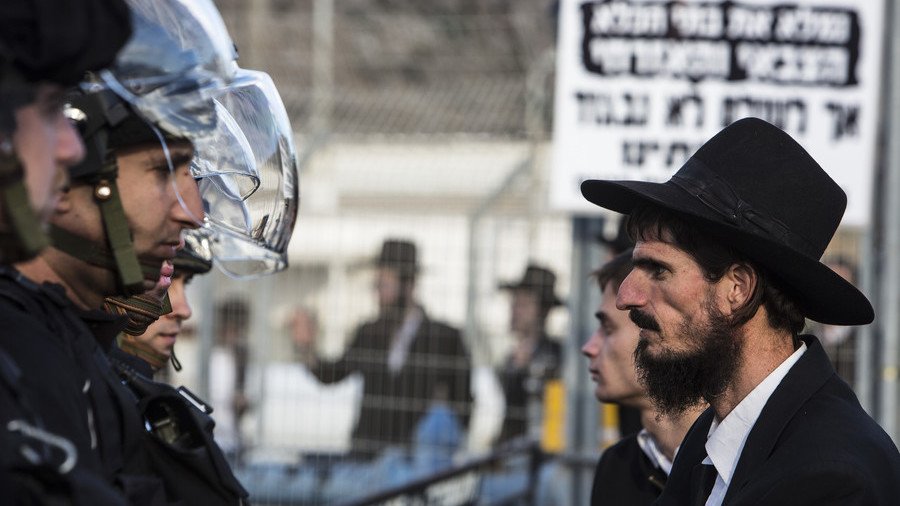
(63, 200)
(741, 281)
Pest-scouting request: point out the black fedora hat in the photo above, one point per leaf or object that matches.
(541, 281)
(398, 254)
(756, 188)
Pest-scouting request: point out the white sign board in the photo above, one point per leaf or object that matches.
(641, 84)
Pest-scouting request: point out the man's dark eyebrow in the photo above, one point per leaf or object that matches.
(649, 263)
(179, 157)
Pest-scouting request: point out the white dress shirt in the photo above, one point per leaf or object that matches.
(651, 450)
(725, 440)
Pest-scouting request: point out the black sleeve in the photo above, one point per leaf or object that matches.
(335, 371)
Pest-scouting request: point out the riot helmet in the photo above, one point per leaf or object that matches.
(160, 89)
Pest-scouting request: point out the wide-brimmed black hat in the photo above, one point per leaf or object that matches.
(398, 254)
(541, 281)
(757, 189)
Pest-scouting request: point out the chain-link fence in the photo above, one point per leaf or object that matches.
(428, 123)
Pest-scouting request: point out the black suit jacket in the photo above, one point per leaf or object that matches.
(812, 445)
(437, 369)
(625, 476)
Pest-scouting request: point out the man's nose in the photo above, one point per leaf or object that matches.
(591, 347)
(630, 294)
(188, 209)
(69, 148)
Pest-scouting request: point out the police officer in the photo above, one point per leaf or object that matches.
(44, 46)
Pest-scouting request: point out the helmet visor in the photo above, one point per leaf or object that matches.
(254, 232)
(226, 158)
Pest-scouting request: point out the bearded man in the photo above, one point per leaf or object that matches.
(726, 268)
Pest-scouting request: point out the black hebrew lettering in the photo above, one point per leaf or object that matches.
(679, 106)
(749, 23)
(624, 109)
(844, 120)
(781, 44)
(790, 115)
(651, 153)
(635, 153)
(678, 153)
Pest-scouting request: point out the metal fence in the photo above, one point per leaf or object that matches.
(427, 121)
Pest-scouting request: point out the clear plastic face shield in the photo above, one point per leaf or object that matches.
(224, 158)
(249, 236)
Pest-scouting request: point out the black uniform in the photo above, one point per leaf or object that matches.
(70, 387)
(181, 443)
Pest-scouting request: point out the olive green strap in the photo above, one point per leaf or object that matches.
(94, 254)
(21, 218)
(118, 234)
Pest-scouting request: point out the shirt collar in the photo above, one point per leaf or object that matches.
(725, 440)
(651, 450)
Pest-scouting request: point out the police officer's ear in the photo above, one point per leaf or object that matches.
(63, 200)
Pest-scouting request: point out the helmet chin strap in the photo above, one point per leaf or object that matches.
(118, 234)
(23, 237)
(98, 255)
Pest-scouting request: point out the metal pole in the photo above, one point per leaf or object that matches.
(259, 347)
(475, 218)
(581, 418)
(890, 279)
(206, 306)
(865, 346)
(323, 68)
(535, 98)
(251, 55)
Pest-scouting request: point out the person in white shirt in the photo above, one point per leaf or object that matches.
(634, 470)
(727, 268)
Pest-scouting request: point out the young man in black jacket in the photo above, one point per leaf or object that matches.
(634, 470)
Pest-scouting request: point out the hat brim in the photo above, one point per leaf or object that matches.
(823, 295)
(553, 302)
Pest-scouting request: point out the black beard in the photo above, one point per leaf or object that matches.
(394, 314)
(677, 381)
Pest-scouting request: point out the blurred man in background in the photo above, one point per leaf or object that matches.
(408, 361)
(633, 471)
(535, 358)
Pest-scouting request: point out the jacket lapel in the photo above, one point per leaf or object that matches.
(801, 382)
